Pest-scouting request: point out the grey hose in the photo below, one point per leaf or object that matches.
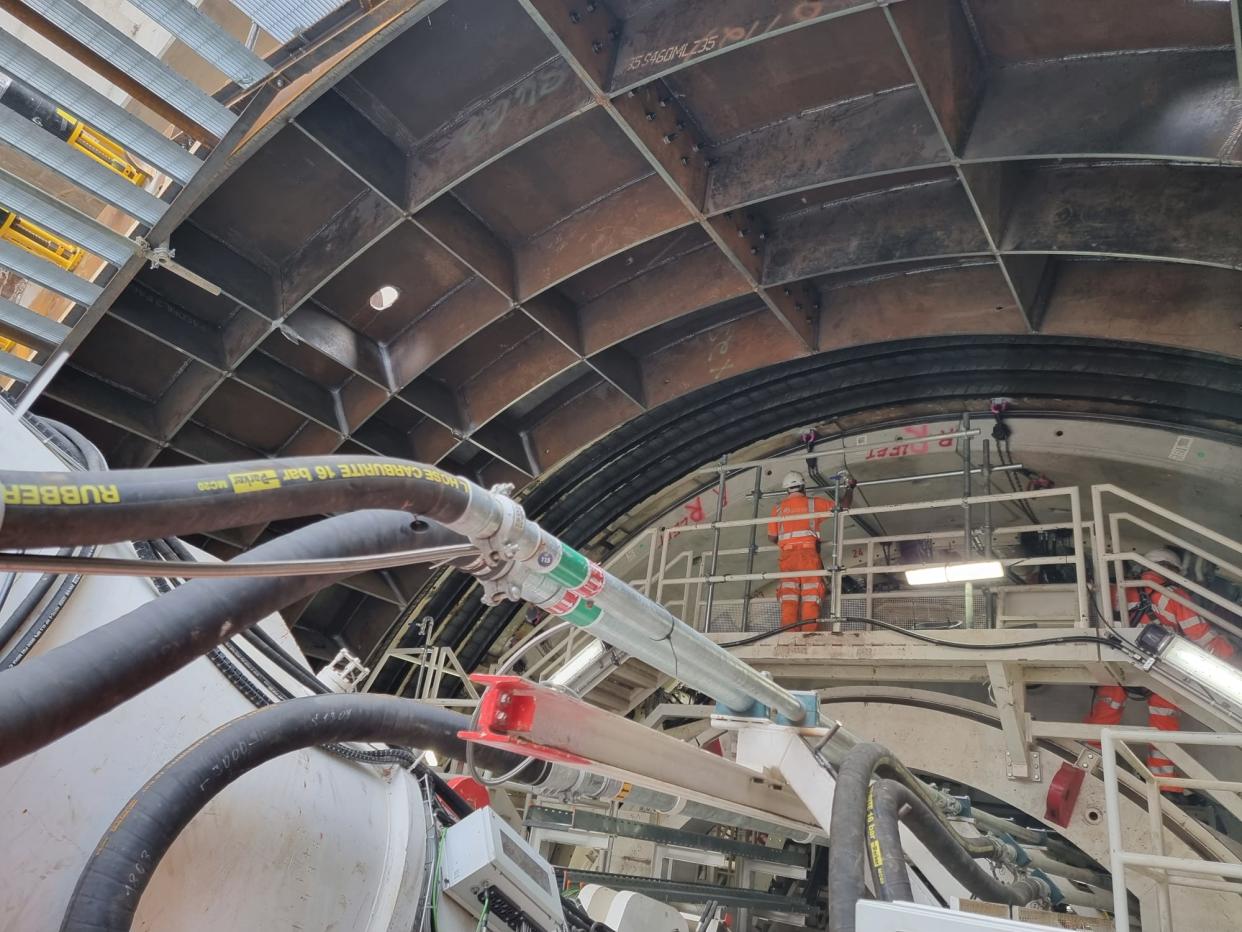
(894, 804)
(54, 693)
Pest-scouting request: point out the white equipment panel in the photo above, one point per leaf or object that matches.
(487, 862)
(874, 916)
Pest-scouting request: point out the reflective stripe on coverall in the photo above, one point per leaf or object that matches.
(1157, 608)
(795, 526)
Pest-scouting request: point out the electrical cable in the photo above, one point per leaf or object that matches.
(82, 454)
(6, 587)
(1044, 642)
(109, 890)
(521, 649)
(19, 616)
(49, 696)
(116, 566)
(249, 686)
(271, 649)
(45, 618)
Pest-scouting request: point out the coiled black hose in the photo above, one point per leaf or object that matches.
(891, 803)
(52, 694)
(120, 867)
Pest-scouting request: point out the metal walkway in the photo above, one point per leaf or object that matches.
(78, 98)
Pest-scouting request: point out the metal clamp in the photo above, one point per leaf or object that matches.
(161, 257)
(1033, 758)
(1088, 759)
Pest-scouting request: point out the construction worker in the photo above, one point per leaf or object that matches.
(1148, 605)
(794, 528)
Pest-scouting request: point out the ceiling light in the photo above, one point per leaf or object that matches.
(385, 297)
(579, 662)
(430, 759)
(954, 572)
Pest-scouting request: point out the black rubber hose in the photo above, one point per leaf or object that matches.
(247, 677)
(271, 649)
(848, 829)
(101, 507)
(887, 854)
(114, 878)
(895, 803)
(57, 692)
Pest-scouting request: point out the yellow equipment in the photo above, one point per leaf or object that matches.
(40, 242)
(103, 150)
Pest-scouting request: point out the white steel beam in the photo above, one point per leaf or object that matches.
(766, 748)
(565, 730)
(1009, 694)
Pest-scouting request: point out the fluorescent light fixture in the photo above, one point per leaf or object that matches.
(430, 759)
(954, 572)
(579, 662)
(1192, 662)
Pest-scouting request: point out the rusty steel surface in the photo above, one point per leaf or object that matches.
(593, 208)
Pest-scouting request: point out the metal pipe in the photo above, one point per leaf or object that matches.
(1187, 865)
(517, 559)
(949, 474)
(802, 456)
(989, 606)
(711, 586)
(1155, 820)
(837, 524)
(750, 553)
(968, 545)
(1112, 812)
(116, 566)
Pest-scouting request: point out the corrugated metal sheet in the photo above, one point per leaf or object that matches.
(284, 19)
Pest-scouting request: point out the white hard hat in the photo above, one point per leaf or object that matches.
(1165, 556)
(793, 480)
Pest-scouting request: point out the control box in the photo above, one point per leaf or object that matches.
(487, 867)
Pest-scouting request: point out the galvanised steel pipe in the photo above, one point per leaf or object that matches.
(563, 582)
(518, 559)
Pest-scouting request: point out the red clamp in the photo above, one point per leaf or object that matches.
(509, 706)
(471, 790)
(1063, 794)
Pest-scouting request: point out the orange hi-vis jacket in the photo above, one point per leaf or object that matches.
(1177, 617)
(796, 521)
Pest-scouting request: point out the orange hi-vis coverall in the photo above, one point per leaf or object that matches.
(795, 525)
(1154, 607)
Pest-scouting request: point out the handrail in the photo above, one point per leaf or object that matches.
(1167, 870)
(1176, 577)
(1170, 515)
(1174, 539)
